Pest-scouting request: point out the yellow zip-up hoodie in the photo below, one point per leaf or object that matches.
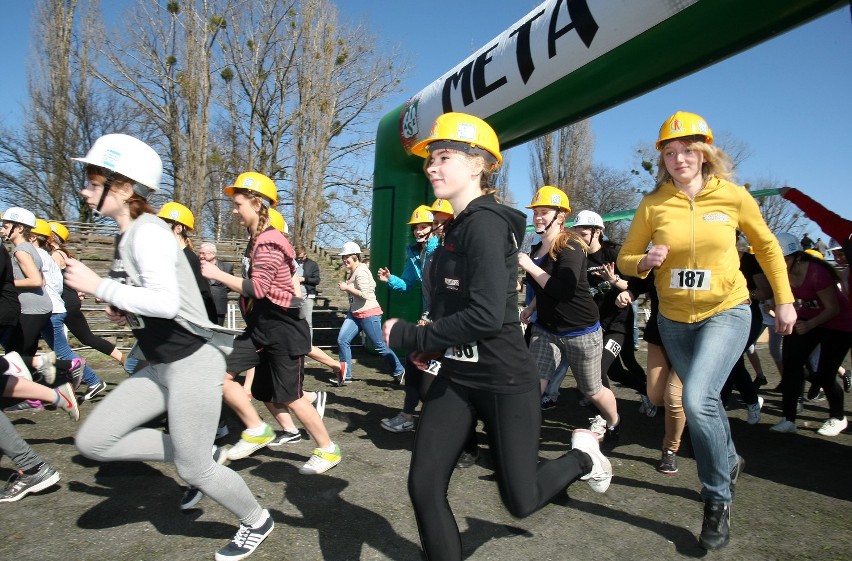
(701, 274)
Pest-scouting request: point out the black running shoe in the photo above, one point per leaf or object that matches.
(668, 463)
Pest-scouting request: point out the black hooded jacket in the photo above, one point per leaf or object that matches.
(474, 302)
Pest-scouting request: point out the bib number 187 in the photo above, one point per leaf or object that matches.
(690, 279)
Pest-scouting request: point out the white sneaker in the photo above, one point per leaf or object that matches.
(321, 461)
(48, 367)
(68, 401)
(754, 411)
(17, 366)
(833, 427)
(249, 444)
(783, 426)
(597, 425)
(600, 476)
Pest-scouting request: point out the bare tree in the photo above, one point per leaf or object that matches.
(162, 62)
(563, 158)
(340, 84)
(608, 190)
(63, 115)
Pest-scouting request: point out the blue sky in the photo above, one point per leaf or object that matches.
(788, 98)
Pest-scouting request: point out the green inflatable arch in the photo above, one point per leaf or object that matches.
(563, 62)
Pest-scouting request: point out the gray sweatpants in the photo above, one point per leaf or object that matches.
(190, 391)
(12, 445)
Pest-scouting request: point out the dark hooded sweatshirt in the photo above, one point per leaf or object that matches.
(474, 311)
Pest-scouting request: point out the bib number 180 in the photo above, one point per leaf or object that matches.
(690, 279)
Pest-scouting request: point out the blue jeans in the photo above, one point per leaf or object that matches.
(54, 335)
(372, 328)
(703, 354)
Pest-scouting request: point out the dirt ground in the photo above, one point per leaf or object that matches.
(793, 500)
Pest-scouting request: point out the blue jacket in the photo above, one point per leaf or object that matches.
(412, 274)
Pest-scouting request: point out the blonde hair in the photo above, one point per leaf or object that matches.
(716, 161)
(563, 242)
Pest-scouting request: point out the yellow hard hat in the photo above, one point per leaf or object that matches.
(476, 135)
(176, 212)
(60, 230)
(442, 205)
(276, 220)
(813, 252)
(552, 197)
(683, 124)
(421, 215)
(41, 228)
(256, 182)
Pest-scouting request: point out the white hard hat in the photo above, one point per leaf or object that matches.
(589, 218)
(350, 248)
(20, 215)
(129, 157)
(789, 243)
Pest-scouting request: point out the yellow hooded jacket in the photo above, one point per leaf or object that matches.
(701, 274)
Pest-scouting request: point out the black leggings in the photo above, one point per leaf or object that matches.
(76, 323)
(633, 376)
(26, 334)
(795, 353)
(513, 424)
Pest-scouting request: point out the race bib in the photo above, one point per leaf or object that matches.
(466, 352)
(433, 367)
(690, 279)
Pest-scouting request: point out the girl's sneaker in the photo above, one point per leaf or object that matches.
(321, 461)
(400, 423)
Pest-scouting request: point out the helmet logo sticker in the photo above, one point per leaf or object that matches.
(677, 125)
(702, 127)
(111, 158)
(248, 182)
(174, 215)
(555, 199)
(466, 132)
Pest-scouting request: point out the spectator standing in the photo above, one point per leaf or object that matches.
(207, 252)
(310, 279)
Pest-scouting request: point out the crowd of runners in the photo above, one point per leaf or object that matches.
(698, 248)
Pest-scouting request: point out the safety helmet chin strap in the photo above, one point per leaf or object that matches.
(107, 184)
(8, 237)
(549, 224)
